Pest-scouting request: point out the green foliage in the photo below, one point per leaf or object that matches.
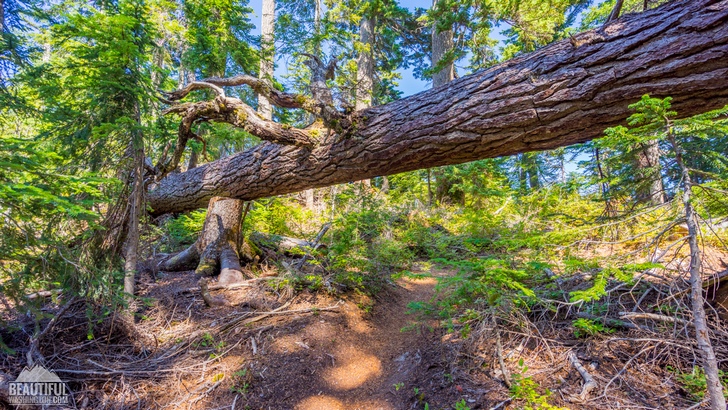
(242, 380)
(586, 327)
(695, 382)
(625, 274)
(524, 388)
(280, 215)
(489, 282)
(183, 229)
(218, 31)
(530, 25)
(461, 405)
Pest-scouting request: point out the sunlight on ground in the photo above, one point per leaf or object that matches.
(356, 322)
(288, 344)
(353, 368)
(329, 403)
(409, 283)
(320, 403)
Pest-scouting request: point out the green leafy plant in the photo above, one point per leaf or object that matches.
(241, 382)
(695, 383)
(587, 327)
(524, 388)
(461, 405)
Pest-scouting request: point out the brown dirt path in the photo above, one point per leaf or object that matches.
(352, 359)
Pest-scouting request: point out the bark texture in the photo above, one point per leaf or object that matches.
(442, 43)
(562, 94)
(2, 16)
(650, 188)
(365, 65)
(267, 29)
(217, 247)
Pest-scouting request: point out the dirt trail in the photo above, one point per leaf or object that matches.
(355, 356)
(352, 359)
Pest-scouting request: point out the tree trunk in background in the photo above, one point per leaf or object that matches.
(135, 207)
(317, 26)
(2, 16)
(616, 11)
(522, 175)
(267, 27)
(365, 71)
(650, 187)
(442, 43)
(365, 65)
(310, 201)
(532, 170)
(310, 194)
(192, 161)
(603, 183)
(709, 361)
(559, 95)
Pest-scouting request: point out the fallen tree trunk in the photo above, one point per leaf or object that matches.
(279, 243)
(565, 93)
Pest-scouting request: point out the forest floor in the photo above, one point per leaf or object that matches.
(310, 351)
(361, 354)
(277, 345)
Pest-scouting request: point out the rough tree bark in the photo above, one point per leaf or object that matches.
(562, 94)
(365, 70)
(365, 65)
(267, 27)
(651, 188)
(310, 194)
(2, 16)
(442, 43)
(217, 248)
(135, 207)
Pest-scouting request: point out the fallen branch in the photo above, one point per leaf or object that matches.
(44, 294)
(502, 404)
(316, 243)
(210, 300)
(278, 311)
(246, 284)
(589, 382)
(499, 352)
(653, 316)
(33, 352)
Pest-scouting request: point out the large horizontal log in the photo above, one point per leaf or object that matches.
(565, 93)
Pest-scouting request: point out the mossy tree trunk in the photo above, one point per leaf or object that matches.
(217, 250)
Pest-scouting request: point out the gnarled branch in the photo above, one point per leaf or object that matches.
(259, 85)
(234, 112)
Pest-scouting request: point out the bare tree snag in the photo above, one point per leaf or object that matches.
(217, 248)
(365, 65)
(267, 48)
(707, 353)
(559, 95)
(442, 44)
